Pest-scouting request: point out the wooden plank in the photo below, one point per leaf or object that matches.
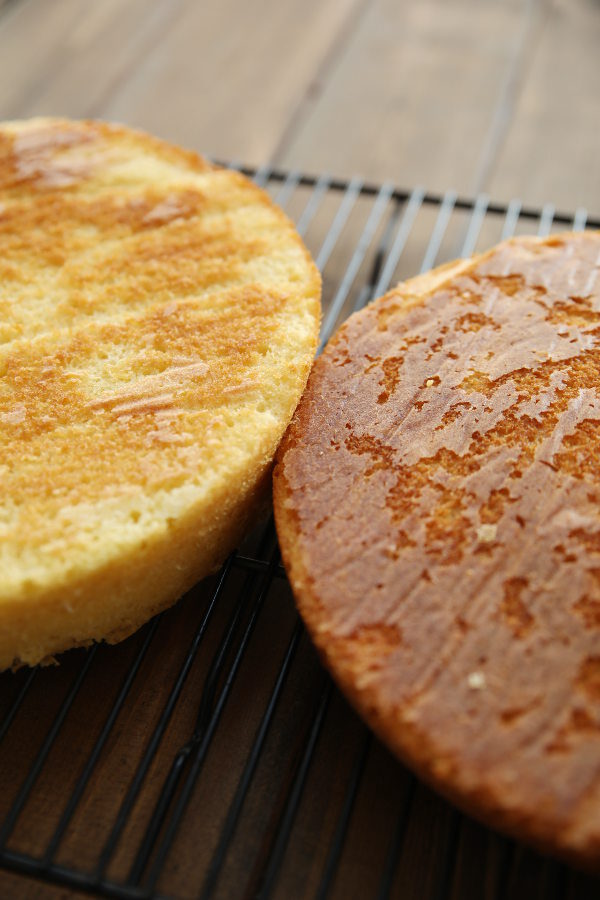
(76, 53)
(413, 94)
(552, 145)
(437, 88)
(226, 78)
(26, 29)
(13, 885)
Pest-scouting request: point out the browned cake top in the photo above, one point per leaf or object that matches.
(438, 504)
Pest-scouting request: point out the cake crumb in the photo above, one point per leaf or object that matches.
(13, 416)
(476, 681)
(429, 382)
(487, 533)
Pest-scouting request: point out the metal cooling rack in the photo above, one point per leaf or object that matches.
(209, 755)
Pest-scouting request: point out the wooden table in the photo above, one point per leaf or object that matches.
(501, 97)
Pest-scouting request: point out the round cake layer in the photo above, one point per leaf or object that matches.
(159, 317)
(437, 500)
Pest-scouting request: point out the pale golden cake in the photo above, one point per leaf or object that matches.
(158, 320)
(437, 499)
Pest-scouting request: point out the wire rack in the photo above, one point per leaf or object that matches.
(210, 755)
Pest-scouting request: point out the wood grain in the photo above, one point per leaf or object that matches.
(227, 77)
(77, 54)
(500, 97)
(413, 94)
(552, 144)
(469, 95)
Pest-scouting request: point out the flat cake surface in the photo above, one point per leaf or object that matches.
(437, 499)
(159, 317)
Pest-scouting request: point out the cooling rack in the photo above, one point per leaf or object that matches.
(210, 755)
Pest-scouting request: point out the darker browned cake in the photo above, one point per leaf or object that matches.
(438, 504)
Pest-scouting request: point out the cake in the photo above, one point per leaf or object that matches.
(159, 317)
(437, 501)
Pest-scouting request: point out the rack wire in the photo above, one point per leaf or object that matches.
(209, 755)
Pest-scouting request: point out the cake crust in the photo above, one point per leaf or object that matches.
(159, 317)
(437, 500)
